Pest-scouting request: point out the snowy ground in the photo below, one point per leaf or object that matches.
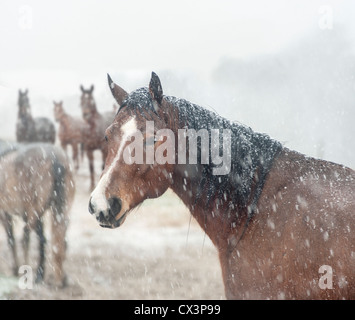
(154, 255)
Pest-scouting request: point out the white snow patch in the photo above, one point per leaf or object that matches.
(326, 236)
(271, 224)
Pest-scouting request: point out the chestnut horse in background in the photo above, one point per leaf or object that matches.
(93, 133)
(30, 129)
(35, 178)
(283, 223)
(71, 131)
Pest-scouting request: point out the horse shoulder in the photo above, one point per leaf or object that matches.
(304, 220)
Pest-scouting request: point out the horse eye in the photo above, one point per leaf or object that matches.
(106, 139)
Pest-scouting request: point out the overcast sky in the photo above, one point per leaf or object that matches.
(51, 47)
(97, 35)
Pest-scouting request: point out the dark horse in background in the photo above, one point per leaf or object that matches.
(278, 219)
(93, 134)
(29, 129)
(35, 178)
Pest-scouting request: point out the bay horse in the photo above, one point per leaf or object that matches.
(29, 129)
(93, 134)
(36, 178)
(283, 223)
(71, 131)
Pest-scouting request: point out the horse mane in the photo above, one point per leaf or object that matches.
(139, 102)
(252, 153)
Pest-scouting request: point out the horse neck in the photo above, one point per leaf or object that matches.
(26, 119)
(65, 119)
(191, 185)
(227, 201)
(216, 218)
(94, 109)
(24, 115)
(92, 106)
(94, 112)
(96, 120)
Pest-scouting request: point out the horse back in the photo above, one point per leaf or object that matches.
(32, 179)
(45, 130)
(71, 130)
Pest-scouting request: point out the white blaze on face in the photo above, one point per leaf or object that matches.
(98, 198)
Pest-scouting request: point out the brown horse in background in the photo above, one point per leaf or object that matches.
(35, 178)
(283, 223)
(29, 129)
(71, 131)
(95, 131)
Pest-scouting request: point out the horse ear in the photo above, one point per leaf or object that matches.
(155, 88)
(26, 92)
(91, 88)
(118, 93)
(82, 88)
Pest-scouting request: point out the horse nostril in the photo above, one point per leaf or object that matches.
(115, 206)
(91, 207)
(101, 217)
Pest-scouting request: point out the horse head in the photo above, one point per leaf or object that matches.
(58, 110)
(131, 173)
(24, 103)
(87, 103)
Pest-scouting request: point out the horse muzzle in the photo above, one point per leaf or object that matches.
(108, 216)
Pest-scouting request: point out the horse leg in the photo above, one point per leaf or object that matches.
(82, 151)
(8, 224)
(42, 242)
(59, 217)
(90, 154)
(64, 147)
(75, 155)
(59, 246)
(26, 237)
